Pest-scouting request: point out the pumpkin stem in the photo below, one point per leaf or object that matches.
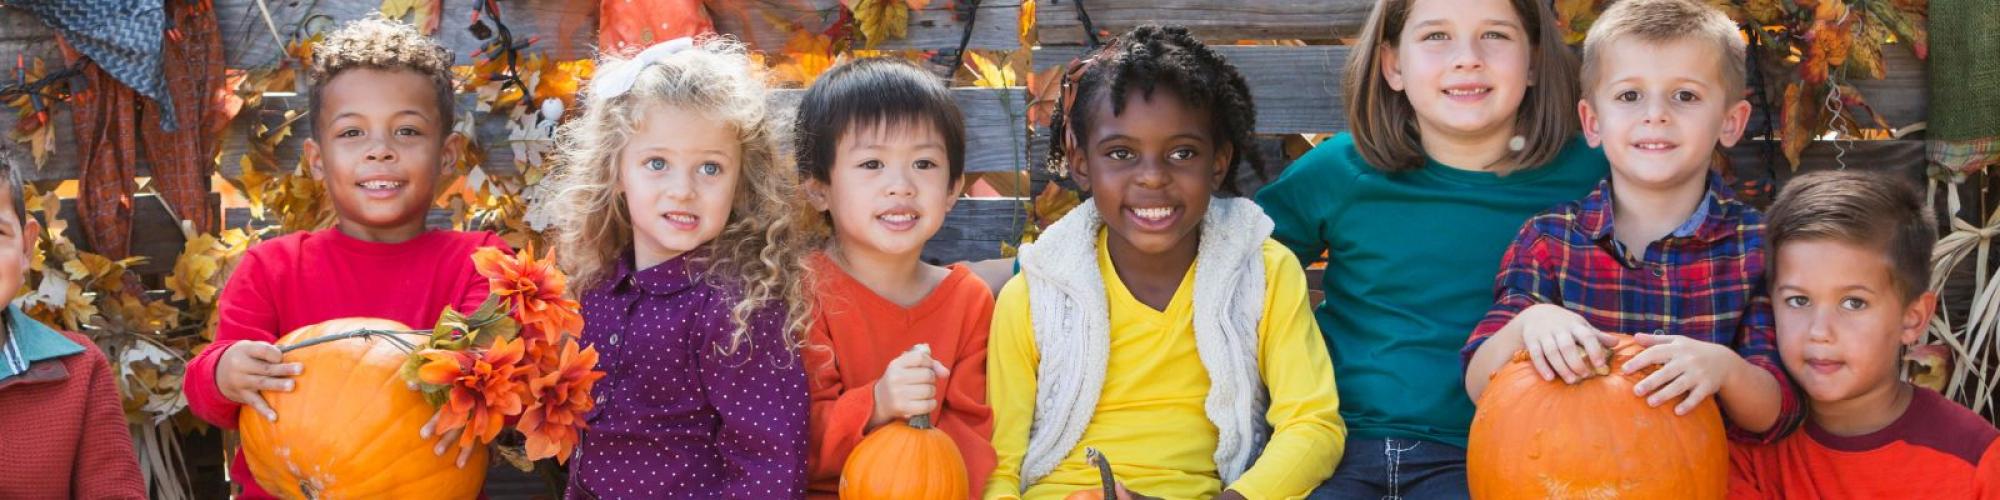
(921, 422)
(390, 335)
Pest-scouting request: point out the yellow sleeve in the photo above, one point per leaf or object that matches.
(1307, 435)
(1011, 360)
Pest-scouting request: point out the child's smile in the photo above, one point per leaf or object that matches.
(889, 188)
(1463, 65)
(1659, 110)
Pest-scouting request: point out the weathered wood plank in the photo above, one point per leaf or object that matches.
(1056, 20)
(1901, 97)
(937, 26)
(567, 29)
(156, 235)
(1296, 89)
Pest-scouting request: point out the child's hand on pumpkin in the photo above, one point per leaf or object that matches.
(445, 441)
(250, 367)
(1688, 367)
(908, 387)
(1560, 343)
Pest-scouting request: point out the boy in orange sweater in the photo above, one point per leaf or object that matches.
(61, 419)
(883, 146)
(382, 111)
(1850, 269)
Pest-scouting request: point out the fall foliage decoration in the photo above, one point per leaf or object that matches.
(905, 462)
(1816, 48)
(348, 428)
(1533, 438)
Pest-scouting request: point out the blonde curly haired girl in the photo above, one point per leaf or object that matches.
(677, 220)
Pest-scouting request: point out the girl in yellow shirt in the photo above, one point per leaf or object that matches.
(1159, 323)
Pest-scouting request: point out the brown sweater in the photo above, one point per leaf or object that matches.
(62, 431)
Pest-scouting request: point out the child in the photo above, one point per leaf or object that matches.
(60, 410)
(1661, 248)
(678, 222)
(1463, 123)
(382, 112)
(1850, 264)
(881, 148)
(1158, 323)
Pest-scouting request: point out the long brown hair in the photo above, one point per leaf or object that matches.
(1384, 124)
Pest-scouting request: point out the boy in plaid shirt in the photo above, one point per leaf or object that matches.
(1661, 249)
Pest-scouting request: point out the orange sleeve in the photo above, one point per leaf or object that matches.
(1986, 477)
(966, 416)
(839, 413)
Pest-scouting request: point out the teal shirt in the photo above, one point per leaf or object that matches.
(1411, 258)
(29, 341)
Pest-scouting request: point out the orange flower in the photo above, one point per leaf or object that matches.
(532, 290)
(486, 387)
(561, 398)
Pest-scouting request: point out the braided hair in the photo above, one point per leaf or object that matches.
(1144, 59)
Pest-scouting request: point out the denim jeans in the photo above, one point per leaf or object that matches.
(1395, 469)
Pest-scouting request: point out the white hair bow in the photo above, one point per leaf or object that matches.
(617, 81)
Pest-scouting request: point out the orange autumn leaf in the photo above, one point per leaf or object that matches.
(532, 289)
(562, 397)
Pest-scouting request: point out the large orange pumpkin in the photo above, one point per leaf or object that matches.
(349, 427)
(905, 462)
(1534, 438)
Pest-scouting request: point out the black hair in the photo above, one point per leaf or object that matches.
(1145, 59)
(876, 91)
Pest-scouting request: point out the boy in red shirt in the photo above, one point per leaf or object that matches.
(382, 111)
(1850, 267)
(60, 414)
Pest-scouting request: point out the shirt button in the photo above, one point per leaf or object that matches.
(613, 340)
(1659, 271)
(1660, 331)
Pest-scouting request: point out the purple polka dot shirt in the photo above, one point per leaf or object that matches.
(676, 418)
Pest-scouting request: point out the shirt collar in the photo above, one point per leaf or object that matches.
(665, 278)
(29, 341)
(1713, 218)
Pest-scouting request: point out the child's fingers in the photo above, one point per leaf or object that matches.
(1536, 358)
(1701, 392)
(1658, 379)
(444, 442)
(263, 352)
(429, 427)
(256, 402)
(1649, 340)
(1655, 355)
(1680, 386)
(1552, 352)
(1593, 347)
(1573, 357)
(464, 453)
(938, 368)
(274, 384)
(281, 370)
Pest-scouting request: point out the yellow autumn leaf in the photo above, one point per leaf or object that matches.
(192, 278)
(880, 20)
(424, 14)
(988, 75)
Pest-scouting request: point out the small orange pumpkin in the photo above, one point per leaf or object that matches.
(349, 427)
(1532, 438)
(905, 462)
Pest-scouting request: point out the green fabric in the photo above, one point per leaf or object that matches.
(29, 341)
(1965, 69)
(1410, 272)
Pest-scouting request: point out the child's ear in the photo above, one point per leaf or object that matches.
(1079, 168)
(1734, 120)
(311, 153)
(1392, 69)
(31, 231)
(1224, 157)
(1587, 116)
(815, 194)
(454, 147)
(958, 185)
(1917, 317)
